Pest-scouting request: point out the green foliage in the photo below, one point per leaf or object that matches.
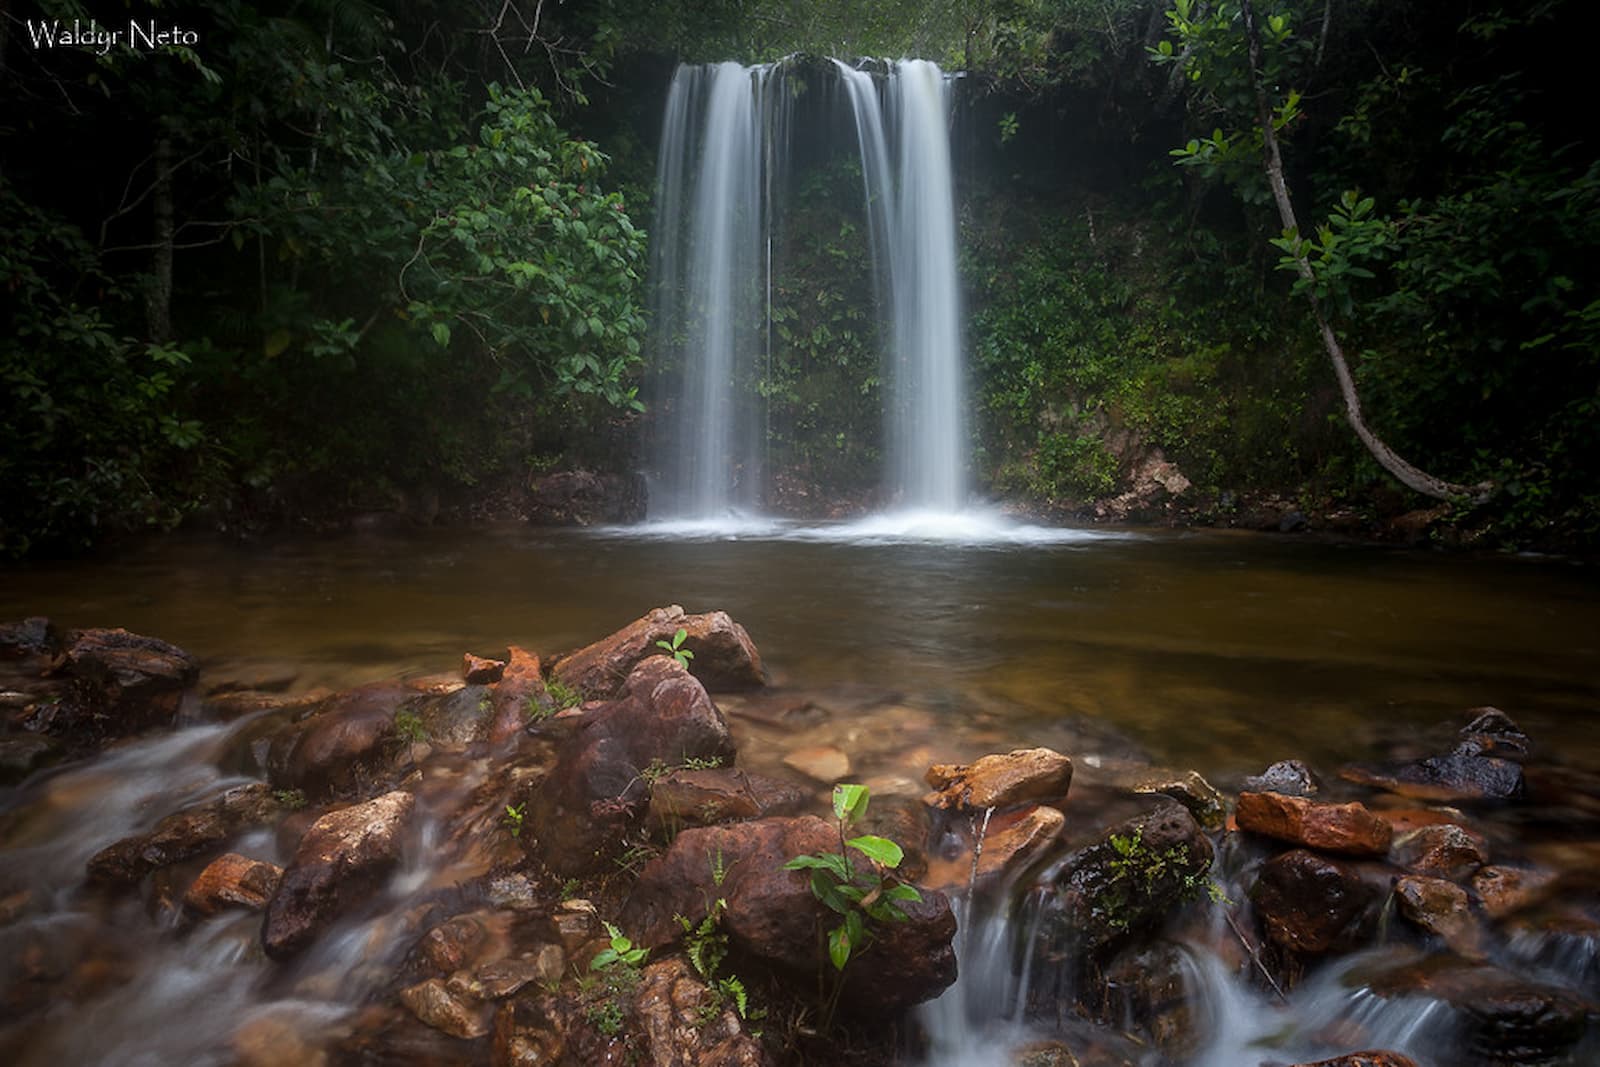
(409, 727)
(1138, 873)
(293, 799)
(512, 819)
(675, 649)
(619, 953)
(857, 893)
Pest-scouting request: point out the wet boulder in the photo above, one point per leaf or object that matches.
(1504, 1018)
(1188, 788)
(1371, 1058)
(1130, 880)
(1443, 909)
(772, 916)
(1443, 850)
(479, 670)
(685, 1025)
(1010, 841)
(1311, 904)
(121, 683)
(184, 834)
(449, 1010)
(33, 636)
(663, 719)
(1146, 990)
(1451, 778)
(232, 881)
(1289, 777)
(702, 797)
(343, 858)
(1348, 829)
(1032, 775)
(1504, 891)
(1493, 733)
(724, 656)
(350, 741)
(519, 689)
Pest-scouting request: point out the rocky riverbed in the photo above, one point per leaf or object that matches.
(621, 854)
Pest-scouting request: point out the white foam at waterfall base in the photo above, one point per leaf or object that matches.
(978, 527)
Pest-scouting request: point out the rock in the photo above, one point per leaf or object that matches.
(1289, 777)
(504, 978)
(1445, 778)
(1493, 733)
(184, 834)
(1442, 909)
(586, 498)
(122, 683)
(1444, 850)
(1153, 481)
(1147, 985)
(724, 655)
(1504, 891)
(1189, 789)
(232, 880)
(1348, 829)
(476, 670)
(1504, 1018)
(1013, 839)
(33, 636)
(996, 781)
(343, 857)
(1129, 880)
(702, 797)
(1311, 904)
(597, 787)
(576, 923)
(682, 1024)
(350, 741)
(451, 945)
(1375, 1058)
(433, 1003)
(821, 763)
(520, 687)
(772, 915)
(22, 754)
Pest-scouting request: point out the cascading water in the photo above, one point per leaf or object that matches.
(911, 200)
(711, 241)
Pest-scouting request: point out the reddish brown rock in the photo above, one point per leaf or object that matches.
(503, 978)
(1444, 850)
(184, 834)
(1441, 908)
(772, 915)
(122, 683)
(520, 687)
(476, 670)
(1032, 775)
(1012, 840)
(724, 656)
(598, 788)
(436, 1005)
(1348, 829)
(451, 945)
(682, 1024)
(1507, 890)
(700, 798)
(350, 741)
(1365, 1059)
(1311, 904)
(343, 858)
(232, 881)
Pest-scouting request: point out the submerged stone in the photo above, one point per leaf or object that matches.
(1447, 778)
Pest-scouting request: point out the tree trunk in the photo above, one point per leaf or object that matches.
(1408, 475)
(158, 297)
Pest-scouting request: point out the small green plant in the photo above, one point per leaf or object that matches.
(293, 799)
(563, 695)
(706, 945)
(485, 706)
(570, 889)
(408, 724)
(857, 893)
(512, 819)
(617, 967)
(719, 868)
(701, 763)
(675, 649)
(1137, 872)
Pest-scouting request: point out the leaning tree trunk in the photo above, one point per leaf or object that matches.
(1408, 475)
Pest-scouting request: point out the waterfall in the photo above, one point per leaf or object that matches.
(723, 140)
(710, 271)
(911, 201)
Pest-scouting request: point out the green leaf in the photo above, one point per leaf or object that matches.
(839, 946)
(441, 334)
(849, 802)
(878, 849)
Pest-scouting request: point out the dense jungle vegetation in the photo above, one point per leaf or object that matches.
(319, 257)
